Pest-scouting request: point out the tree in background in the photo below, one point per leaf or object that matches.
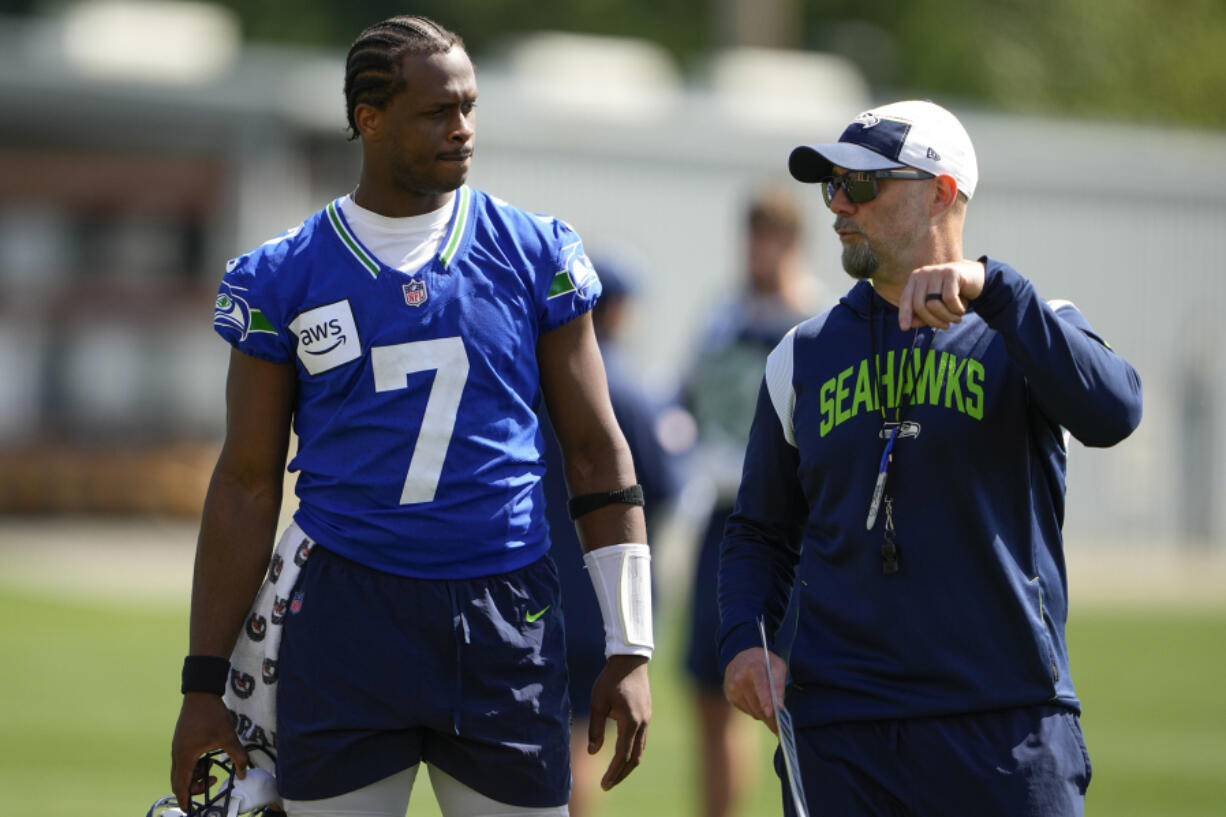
(1141, 60)
(1156, 61)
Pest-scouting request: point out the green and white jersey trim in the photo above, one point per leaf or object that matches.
(351, 241)
(450, 244)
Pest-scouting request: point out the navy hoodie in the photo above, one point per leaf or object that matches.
(974, 617)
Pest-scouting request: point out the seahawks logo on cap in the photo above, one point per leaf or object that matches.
(884, 135)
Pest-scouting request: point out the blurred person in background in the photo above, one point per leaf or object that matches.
(410, 614)
(639, 416)
(720, 390)
(904, 482)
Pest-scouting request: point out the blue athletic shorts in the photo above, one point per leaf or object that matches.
(379, 672)
(1026, 762)
(584, 625)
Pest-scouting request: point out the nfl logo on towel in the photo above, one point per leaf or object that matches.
(415, 292)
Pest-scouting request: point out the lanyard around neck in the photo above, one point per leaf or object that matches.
(889, 552)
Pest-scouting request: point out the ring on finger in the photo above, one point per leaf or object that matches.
(933, 296)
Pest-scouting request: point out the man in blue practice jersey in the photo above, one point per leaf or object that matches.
(905, 471)
(406, 332)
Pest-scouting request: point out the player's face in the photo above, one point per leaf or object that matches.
(880, 232)
(430, 124)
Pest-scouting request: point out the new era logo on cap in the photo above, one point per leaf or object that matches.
(914, 133)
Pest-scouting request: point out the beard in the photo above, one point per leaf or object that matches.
(859, 260)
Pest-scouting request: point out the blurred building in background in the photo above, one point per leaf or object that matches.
(138, 155)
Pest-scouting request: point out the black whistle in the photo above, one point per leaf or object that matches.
(889, 558)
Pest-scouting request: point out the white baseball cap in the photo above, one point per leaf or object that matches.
(914, 133)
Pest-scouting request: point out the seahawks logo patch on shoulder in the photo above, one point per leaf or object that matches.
(233, 314)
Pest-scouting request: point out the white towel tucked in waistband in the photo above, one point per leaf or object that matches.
(251, 693)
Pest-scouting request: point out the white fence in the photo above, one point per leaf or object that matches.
(1127, 222)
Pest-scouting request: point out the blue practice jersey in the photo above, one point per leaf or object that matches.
(419, 452)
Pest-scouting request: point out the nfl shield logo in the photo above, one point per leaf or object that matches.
(415, 292)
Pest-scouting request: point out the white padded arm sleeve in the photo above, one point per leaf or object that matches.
(621, 575)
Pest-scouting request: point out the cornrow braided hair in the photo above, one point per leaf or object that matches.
(372, 69)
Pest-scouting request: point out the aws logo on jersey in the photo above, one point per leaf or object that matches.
(327, 337)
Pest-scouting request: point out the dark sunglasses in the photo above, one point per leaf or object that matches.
(861, 185)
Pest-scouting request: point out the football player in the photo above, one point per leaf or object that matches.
(405, 332)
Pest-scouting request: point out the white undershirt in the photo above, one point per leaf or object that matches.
(407, 243)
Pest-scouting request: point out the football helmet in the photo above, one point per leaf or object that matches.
(224, 794)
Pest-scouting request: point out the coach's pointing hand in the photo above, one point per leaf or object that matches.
(936, 295)
(621, 692)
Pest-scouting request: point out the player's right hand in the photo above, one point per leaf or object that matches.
(204, 725)
(746, 686)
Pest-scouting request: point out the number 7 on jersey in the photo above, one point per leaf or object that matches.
(448, 359)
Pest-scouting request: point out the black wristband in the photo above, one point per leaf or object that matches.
(586, 503)
(205, 673)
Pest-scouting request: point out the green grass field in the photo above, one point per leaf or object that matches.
(89, 693)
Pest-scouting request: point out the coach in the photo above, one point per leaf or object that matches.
(906, 471)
